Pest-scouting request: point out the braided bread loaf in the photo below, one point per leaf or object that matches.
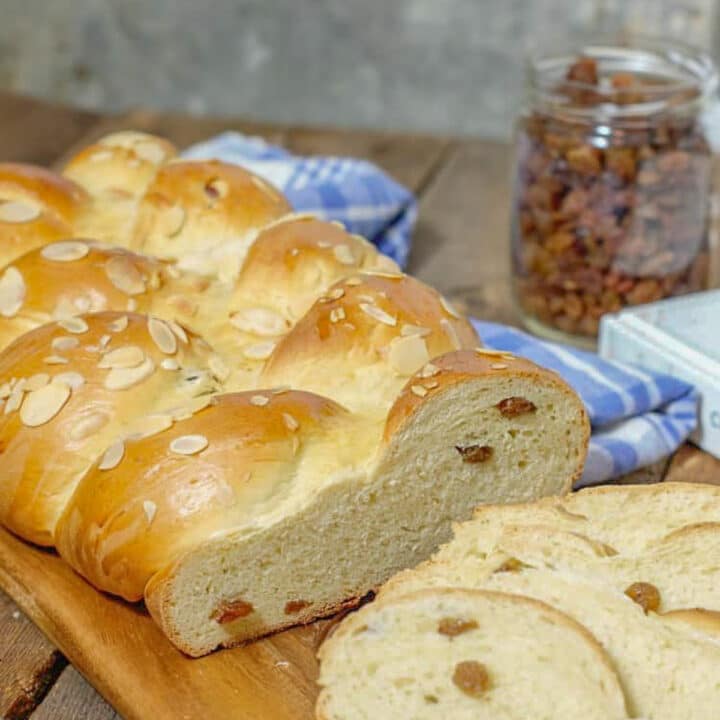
(245, 417)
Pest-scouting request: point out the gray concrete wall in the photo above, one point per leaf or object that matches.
(440, 65)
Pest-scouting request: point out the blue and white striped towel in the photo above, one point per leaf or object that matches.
(355, 192)
(638, 417)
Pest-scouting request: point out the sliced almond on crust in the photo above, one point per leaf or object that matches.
(408, 329)
(12, 292)
(218, 368)
(35, 382)
(88, 425)
(74, 325)
(100, 156)
(429, 370)
(14, 401)
(14, 211)
(179, 331)
(42, 405)
(188, 444)
(127, 356)
(419, 390)
(449, 309)
(378, 314)
(337, 314)
(408, 354)
(55, 360)
(72, 379)
(150, 509)
(258, 351)
(190, 408)
(119, 324)
(123, 274)
(66, 251)
(172, 221)
(124, 378)
(112, 456)
(150, 425)
(162, 336)
(150, 151)
(64, 342)
(344, 255)
(259, 321)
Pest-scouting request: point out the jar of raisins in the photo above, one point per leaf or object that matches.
(612, 181)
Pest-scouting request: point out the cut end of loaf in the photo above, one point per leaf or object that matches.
(360, 529)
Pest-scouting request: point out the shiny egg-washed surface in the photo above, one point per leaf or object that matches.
(189, 368)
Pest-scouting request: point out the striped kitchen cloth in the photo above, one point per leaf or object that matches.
(638, 417)
(355, 192)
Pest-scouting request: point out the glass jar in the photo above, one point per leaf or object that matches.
(611, 196)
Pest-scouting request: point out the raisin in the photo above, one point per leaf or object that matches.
(515, 406)
(474, 453)
(229, 611)
(455, 626)
(472, 678)
(295, 606)
(646, 595)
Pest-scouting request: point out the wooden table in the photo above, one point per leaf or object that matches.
(460, 247)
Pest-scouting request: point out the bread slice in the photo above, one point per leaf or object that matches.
(625, 517)
(668, 670)
(466, 655)
(681, 570)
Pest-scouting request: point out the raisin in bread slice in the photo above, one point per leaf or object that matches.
(466, 655)
(668, 671)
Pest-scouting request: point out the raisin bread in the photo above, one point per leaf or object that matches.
(681, 570)
(258, 421)
(466, 655)
(639, 596)
(643, 647)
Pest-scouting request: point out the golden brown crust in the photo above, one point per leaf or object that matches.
(195, 207)
(157, 601)
(116, 171)
(296, 258)
(122, 525)
(123, 163)
(103, 278)
(42, 187)
(36, 207)
(67, 396)
(392, 322)
(455, 367)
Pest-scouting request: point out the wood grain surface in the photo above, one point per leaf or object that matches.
(123, 653)
(460, 246)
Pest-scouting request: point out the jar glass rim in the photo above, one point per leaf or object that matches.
(689, 75)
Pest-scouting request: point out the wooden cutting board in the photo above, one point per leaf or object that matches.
(121, 651)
